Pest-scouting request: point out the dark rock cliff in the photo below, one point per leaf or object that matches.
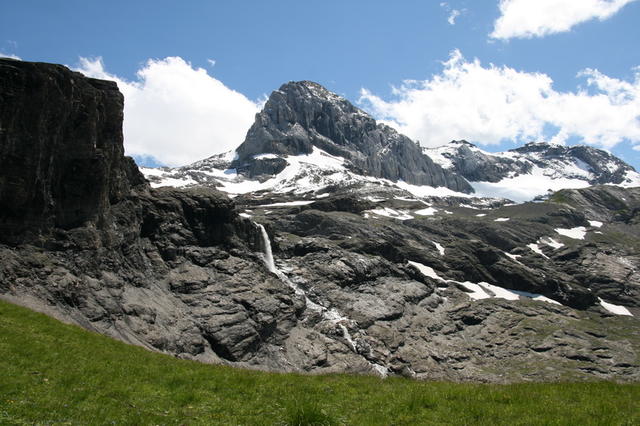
(303, 115)
(61, 151)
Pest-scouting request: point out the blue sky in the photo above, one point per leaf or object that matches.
(474, 56)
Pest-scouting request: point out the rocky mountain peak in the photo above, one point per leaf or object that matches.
(303, 116)
(312, 90)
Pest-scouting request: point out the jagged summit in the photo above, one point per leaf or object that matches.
(315, 90)
(301, 116)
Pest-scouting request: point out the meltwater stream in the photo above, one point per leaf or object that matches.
(330, 315)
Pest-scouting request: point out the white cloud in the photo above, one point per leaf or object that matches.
(452, 17)
(177, 113)
(636, 147)
(9, 55)
(212, 62)
(492, 104)
(538, 18)
(453, 13)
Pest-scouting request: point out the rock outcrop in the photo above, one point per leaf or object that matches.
(86, 239)
(61, 151)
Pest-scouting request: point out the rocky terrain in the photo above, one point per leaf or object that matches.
(332, 255)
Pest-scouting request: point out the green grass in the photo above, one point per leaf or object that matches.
(52, 373)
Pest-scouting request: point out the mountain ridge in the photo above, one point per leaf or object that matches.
(307, 133)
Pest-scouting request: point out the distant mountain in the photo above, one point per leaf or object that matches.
(308, 140)
(532, 169)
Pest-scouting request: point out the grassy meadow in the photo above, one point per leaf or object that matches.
(53, 373)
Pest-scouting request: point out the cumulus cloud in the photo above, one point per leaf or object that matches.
(489, 105)
(538, 18)
(177, 113)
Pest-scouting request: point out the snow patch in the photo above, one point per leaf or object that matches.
(550, 242)
(615, 309)
(513, 257)
(288, 203)
(595, 223)
(537, 297)
(374, 199)
(429, 211)
(394, 214)
(502, 219)
(421, 191)
(499, 292)
(176, 183)
(439, 247)
(148, 171)
(526, 187)
(265, 156)
(577, 233)
(425, 270)
(476, 292)
(536, 249)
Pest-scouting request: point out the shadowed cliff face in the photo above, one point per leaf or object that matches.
(61, 151)
(303, 115)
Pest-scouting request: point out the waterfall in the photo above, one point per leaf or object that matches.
(268, 255)
(330, 315)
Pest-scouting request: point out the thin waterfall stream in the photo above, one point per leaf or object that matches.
(331, 315)
(268, 254)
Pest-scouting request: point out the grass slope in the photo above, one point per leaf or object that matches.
(52, 373)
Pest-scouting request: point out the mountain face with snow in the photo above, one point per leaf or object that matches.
(309, 140)
(301, 116)
(531, 170)
(315, 265)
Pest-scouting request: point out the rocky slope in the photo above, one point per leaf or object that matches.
(366, 278)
